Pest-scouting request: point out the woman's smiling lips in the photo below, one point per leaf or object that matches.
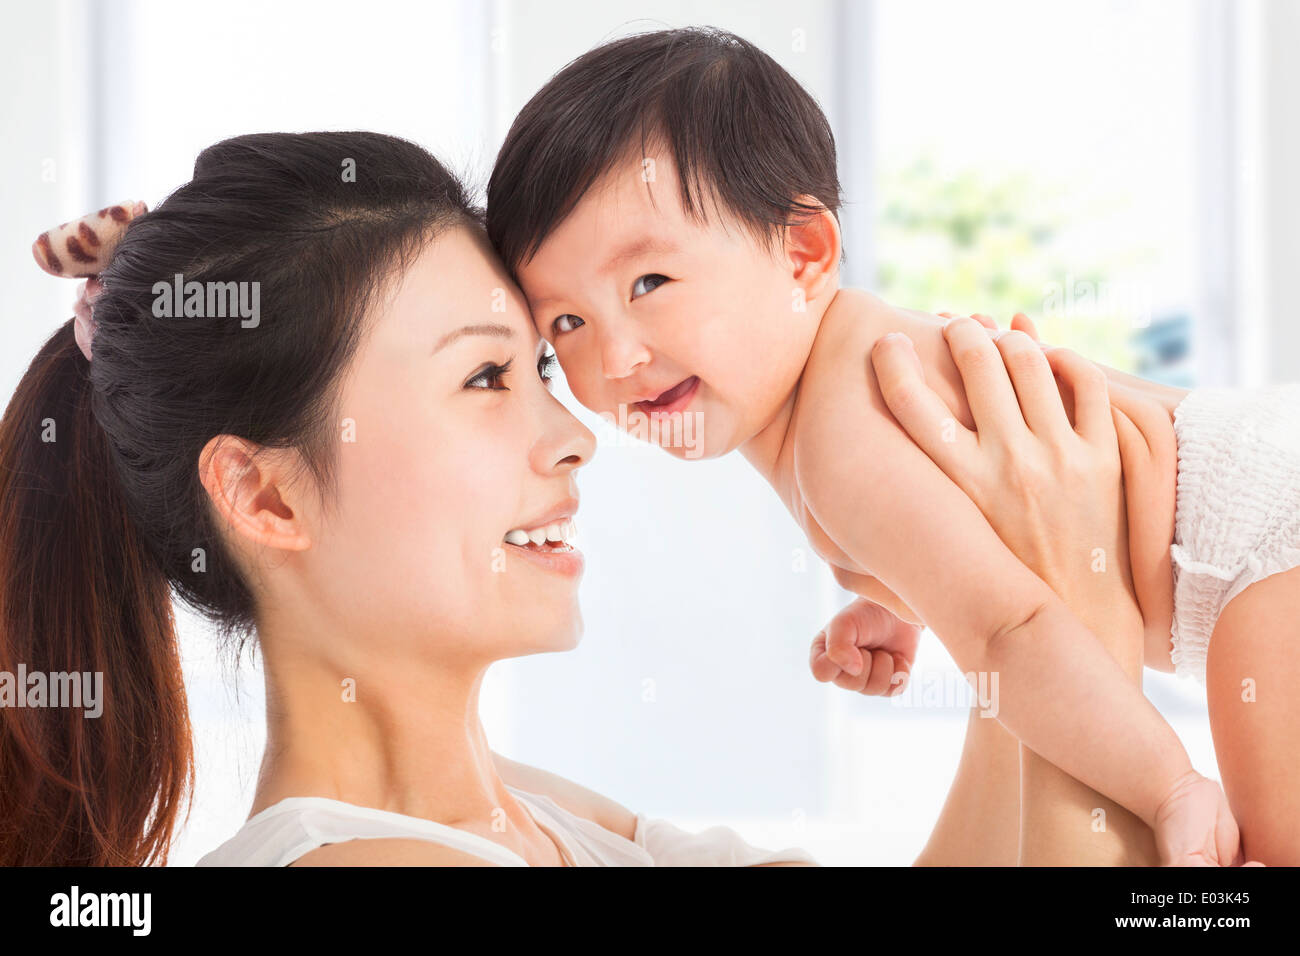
(567, 561)
(674, 400)
(548, 540)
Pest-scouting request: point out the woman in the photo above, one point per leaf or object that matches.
(373, 480)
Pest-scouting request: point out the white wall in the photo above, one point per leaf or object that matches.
(43, 171)
(1279, 175)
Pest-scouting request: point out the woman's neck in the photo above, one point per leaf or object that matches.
(403, 736)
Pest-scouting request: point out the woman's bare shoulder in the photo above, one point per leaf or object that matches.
(577, 799)
(388, 851)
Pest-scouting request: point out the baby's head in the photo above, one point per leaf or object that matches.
(668, 203)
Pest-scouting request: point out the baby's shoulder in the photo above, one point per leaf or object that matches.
(838, 388)
(840, 413)
(854, 315)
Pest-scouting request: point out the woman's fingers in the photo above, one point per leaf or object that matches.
(920, 411)
(1036, 388)
(989, 392)
(1022, 323)
(979, 317)
(1090, 392)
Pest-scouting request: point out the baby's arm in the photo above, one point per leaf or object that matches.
(1060, 692)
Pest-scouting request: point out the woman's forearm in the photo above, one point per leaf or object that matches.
(980, 821)
(1063, 822)
(1065, 696)
(1007, 805)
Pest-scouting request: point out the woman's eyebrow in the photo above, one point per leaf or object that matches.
(499, 331)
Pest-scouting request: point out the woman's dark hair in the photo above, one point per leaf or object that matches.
(739, 127)
(102, 515)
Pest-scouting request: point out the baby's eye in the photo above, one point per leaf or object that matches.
(565, 323)
(647, 283)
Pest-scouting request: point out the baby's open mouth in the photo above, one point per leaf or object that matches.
(682, 390)
(557, 536)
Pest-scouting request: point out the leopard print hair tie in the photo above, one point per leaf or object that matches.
(81, 249)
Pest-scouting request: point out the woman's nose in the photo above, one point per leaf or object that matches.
(567, 445)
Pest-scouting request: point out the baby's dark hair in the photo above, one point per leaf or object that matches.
(739, 127)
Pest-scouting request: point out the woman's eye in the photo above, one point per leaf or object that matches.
(547, 366)
(490, 377)
(647, 283)
(566, 323)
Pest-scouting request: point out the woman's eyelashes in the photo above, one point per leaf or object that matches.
(489, 374)
(489, 377)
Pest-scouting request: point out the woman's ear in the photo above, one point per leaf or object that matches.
(812, 248)
(249, 487)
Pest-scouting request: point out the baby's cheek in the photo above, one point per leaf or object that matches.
(588, 387)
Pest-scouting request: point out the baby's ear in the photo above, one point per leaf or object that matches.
(812, 246)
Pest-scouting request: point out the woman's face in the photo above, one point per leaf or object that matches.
(443, 453)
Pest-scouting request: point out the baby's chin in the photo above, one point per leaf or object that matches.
(692, 441)
(681, 434)
(699, 451)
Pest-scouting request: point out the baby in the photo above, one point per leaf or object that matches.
(667, 204)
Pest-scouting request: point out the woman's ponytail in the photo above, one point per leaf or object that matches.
(95, 751)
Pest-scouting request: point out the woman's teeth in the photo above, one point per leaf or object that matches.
(558, 534)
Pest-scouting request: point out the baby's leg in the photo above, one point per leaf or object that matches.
(1253, 687)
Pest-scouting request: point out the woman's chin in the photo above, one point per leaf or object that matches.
(554, 639)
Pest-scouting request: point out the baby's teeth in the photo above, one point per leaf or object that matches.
(554, 532)
(517, 537)
(537, 535)
(570, 530)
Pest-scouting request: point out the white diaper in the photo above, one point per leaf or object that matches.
(1237, 518)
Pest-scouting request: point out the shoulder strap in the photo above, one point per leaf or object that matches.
(285, 831)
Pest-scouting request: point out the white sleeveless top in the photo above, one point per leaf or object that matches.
(286, 830)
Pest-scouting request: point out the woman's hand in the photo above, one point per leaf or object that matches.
(1049, 483)
(1052, 493)
(1052, 488)
(1043, 465)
